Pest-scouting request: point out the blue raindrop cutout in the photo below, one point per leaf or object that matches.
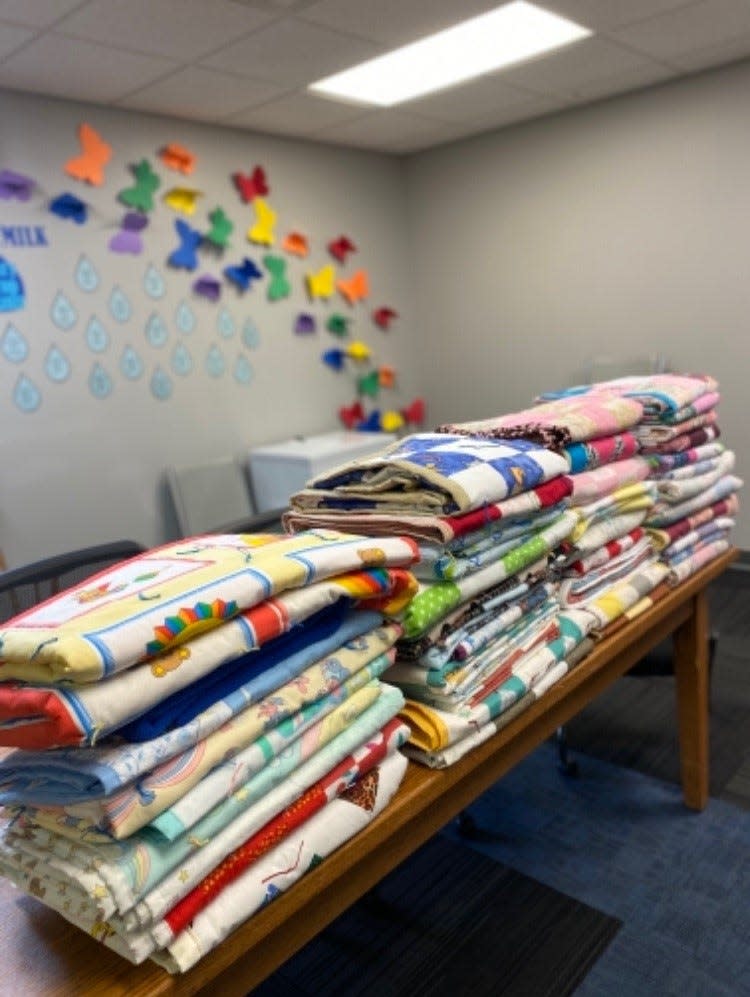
(185, 317)
(86, 275)
(250, 335)
(119, 305)
(215, 362)
(225, 324)
(181, 361)
(13, 345)
(131, 365)
(243, 371)
(153, 283)
(56, 365)
(161, 385)
(100, 383)
(63, 313)
(26, 395)
(156, 330)
(97, 336)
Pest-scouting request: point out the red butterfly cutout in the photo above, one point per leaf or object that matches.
(415, 412)
(251, 186)
(384, 316)
(352, 415)
(339, 248)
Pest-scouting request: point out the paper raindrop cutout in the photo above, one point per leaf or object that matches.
(156, 330)
(181, 361)
(26, 395)
(215, 364)
(225, 324)
(13, 345)
(119, 305)
(250, 335)
(161, 385)
(243, 371)
(131, 364)
(63, 313)
(56, 365)
(153, 283)
(185, 318)
(97, 336)
(100, 383)
(86, 275)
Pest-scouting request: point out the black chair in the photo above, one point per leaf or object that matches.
(24, 587)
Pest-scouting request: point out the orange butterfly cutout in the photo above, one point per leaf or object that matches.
(177, 157)
(96, 153)
(356, 287)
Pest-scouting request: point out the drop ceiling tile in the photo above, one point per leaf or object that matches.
(715, 55)
(12, 37)
(292, 53)
(474, 99)
(63, 67)
(604, 14)
(177, 29)
(533, 108)
(575, 67)
(203, 94)
(388, 131)
(676, 34)
(635, 79)
(298, 114)
(393, 22)
(36, 13)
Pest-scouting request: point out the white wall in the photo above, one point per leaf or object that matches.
(80, 470)
(621, 228)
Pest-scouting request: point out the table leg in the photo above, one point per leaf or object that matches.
(691, 679)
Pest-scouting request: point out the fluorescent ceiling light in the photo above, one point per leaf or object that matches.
(506, 35)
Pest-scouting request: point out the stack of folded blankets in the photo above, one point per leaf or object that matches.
(196, 728)
(489, 506)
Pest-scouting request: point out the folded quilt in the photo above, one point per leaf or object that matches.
(342, 818)
(589, 454)
(689, 471)
(637, 609)
(699, 556)
(589, 486)
(661, 463)
(628, 499)
(580, 589)
(664, 513)
(654, 433)
(688, 441)
(664, 536)
(433, 473)
(434, 601)
(72, 775)
(718, 529)
(599, 534)
(703, 403)
(558, 423)
(550, 496)
(153, 603)
(605, 554)
(682, 489)
(660, 394)
(624, 594)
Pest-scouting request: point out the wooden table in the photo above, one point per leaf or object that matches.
(43, 955)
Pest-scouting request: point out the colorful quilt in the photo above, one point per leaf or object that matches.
(660, 394)
(156, 602)
(652, 434)
(625, 593)
(699, 556)
(682, 489)
(589, 454)
(665, 513)
(558, 423)
(666, 535)
(687, 441)
(663, 463)
(433, 473)
(589, 486)
(580, 588)
(635, 498)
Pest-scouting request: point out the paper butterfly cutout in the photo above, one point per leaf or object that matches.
(207, 287)
(415, 412)
(371, 424)
(351, 415)
(265, 219)
(334, 359)
(384, 316)
(387, 376)
(390, 421)
(69, 206)
(177, 157)
(369, 384)
(341, 247)
(185, 256)
(322, 283)
(304, 323)
(296, 244)
(251, 186)
(279, 286)
(221, 228)
(338, 324)
(183, 199)
(95, 154)
(242, 274)
(141, 196)
(15, 186)
(128, 239)
(355, 288)
(358, 351)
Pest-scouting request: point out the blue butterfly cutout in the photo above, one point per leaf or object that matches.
(185, 255)
(242, 274)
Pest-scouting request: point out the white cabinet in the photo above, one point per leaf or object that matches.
(279, 469)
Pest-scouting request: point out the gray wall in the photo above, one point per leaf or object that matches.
(622, 228)
(83, 470)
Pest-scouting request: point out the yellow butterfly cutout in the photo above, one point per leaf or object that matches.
(391, 420)
(265, 219)
(322, 283)
(358, 350)
(183, 199)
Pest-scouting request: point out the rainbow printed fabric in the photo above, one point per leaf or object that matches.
(156, 602)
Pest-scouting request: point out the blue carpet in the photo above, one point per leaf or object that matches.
(623, 843)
